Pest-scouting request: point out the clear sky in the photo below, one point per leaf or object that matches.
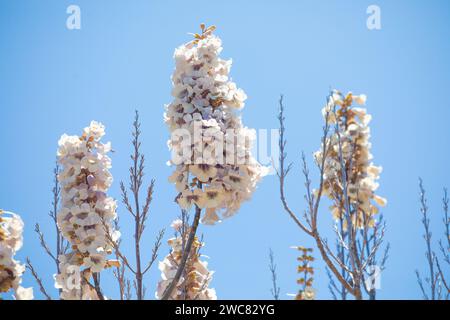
(54, 81)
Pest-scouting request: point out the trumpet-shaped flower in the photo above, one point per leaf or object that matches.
(351, 139)
(87, 213)
(11, 271)
(194, 283)
(210, 145)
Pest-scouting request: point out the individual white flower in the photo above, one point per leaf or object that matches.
(177, 224)
(361, 99)
(95, 262)
(24, 293)
(190, 197)
(308, 294)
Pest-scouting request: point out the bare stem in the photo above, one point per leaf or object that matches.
(186, 253)
(38, 279)
(273, 271)
(427, 236)
(313, 203)
(97, 288)
(138, 212)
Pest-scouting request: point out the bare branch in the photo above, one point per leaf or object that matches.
(98, 290)
(332, 285)
(43, 243)
(420, 282)
(441, 274)
(282, 172)
(429, 254)
(313, 203)
(139, 214)
(155, 250)
(125, 199)
(38, 279)
(185, 256)
(273, 271)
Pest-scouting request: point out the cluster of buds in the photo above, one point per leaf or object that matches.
(349, 147)
(11, 271)
(193, 285)
(211, 148)
(306, 271)
(87, 213)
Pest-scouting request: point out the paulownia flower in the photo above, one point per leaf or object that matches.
(87, 213)
(352, 139)
(11, 271)
(210, 146)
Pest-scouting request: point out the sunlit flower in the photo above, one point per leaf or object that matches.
(212, 198)
(11, 271)
(177, 224)
(194, 283)
(210, 145)
(190, 197)
(353, 140)
(87, 213)
(203, 172)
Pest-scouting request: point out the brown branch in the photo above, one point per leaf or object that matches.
(139, 214)
(427, 236)
(127, 289)
(116, 247)
(145, 209)
(283, 172)
(98, 290)
(38, 279)
(186, 253)
(444, 282)
(275, 290)
(313, 204)
(330, 265)
(43, 243)
(156, 246)
(56, 192)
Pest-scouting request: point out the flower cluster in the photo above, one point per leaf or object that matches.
(11, 240)
(87, 213)
(351, 139)
(193, 285)
(210, 146)
(306, 292)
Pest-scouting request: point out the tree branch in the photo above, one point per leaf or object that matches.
(186, 253)
(38, 279)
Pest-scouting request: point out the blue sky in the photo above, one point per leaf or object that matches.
(54, 81)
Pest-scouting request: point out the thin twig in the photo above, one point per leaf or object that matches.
(38, 279)
(97, 288)
(283, 172)
(444, 282)
(186, 253)
(429, 254)
(43, 243)
(139, 214)
(313, 204)
(155, 250)
(275, 290)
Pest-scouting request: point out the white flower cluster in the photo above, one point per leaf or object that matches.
(362, 175)
(193, 285)
(87, 213)
(210, 146)
(11, 271)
